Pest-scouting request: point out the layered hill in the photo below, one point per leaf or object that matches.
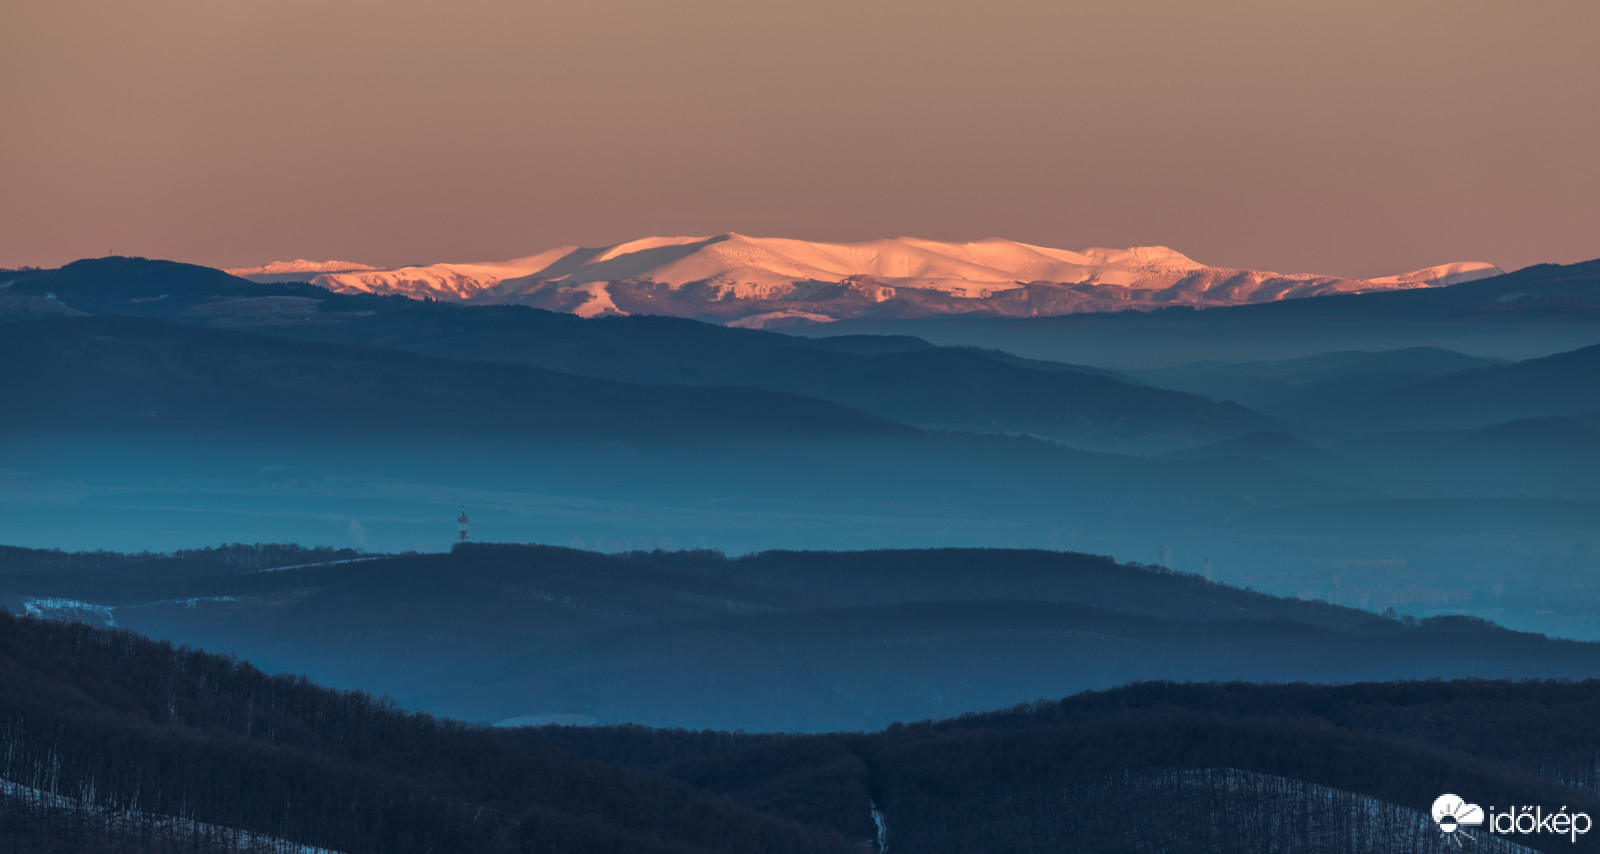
(149, 427)
(755, 281)
(1390, 392)
(114, 742)
(1560, 384)
(1534, 311)
(405, 431)
(140, 375)
(1272, 383)
(776, 641)
(904, 379)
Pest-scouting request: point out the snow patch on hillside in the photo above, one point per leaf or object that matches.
(70, 609)
(164, 828)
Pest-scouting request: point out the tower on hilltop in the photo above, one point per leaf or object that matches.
(463, 523)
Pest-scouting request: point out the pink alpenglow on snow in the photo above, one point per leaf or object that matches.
(763, 281)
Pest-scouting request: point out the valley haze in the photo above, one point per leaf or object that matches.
(1233, 520)
(509, 428)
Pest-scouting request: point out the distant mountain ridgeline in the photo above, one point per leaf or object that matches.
(1419, 388)
(178, 402)
(112, 742)
(776, 641)
(1288, 383)
(897, 378)
(905, 379)
(758, 282)
(1536, 311)
(139, 403)
(110, 373)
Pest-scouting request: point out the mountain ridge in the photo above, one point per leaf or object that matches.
(1535, 311)
(298, 265)
(142, 374)
(494, 631)
(762, 281)
(901, 379)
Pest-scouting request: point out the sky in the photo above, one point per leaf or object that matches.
(1355, 138)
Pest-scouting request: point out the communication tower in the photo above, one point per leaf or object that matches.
(463, 523)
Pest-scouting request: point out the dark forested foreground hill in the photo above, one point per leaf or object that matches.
(112, 742)
(116, 743)
(779, 641)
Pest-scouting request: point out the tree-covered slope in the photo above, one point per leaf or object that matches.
(112, 742)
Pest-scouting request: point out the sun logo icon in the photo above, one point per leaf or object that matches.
(1453, 816)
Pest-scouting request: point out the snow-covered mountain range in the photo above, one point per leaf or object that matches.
(298, 270)
(759, 281)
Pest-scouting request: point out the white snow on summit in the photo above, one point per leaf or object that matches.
(762, 281)
(299, 265)
(1446, 274)
(298, 270)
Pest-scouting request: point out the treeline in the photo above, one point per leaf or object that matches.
(1189, 780)
(108, 577)
(1166, 766)
(239, 557)
(112, 742)
(113, 720)
(883, 576)
(1545, 728)
(825, 640)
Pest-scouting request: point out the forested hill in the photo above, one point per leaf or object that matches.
(110, 742)
(95, 722)
(122, 375)
(893, 377)
(1534, 311)
(777, 641)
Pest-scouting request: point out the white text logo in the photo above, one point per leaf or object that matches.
(1454, 815)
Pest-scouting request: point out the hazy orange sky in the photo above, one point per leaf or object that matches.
(1355, 137)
